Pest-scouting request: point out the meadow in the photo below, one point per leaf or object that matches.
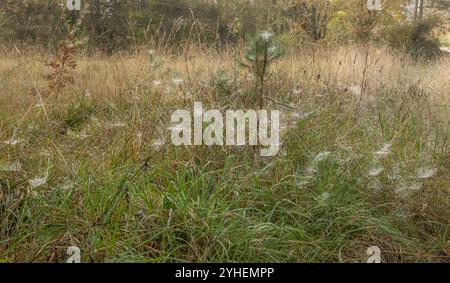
(364, 160)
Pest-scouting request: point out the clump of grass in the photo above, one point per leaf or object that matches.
(78, 115)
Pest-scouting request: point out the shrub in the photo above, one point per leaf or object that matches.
(415, 39)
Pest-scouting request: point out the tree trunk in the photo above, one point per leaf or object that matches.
(416, 8)
(421, 9)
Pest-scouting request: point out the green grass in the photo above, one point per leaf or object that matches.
(445, 40)
(223, 204)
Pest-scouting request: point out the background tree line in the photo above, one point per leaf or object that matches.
(116, 24)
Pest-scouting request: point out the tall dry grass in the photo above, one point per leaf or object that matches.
(318, 201)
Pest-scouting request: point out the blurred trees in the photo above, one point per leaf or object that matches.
(117, 24)
(31, 21)
(312, 16)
